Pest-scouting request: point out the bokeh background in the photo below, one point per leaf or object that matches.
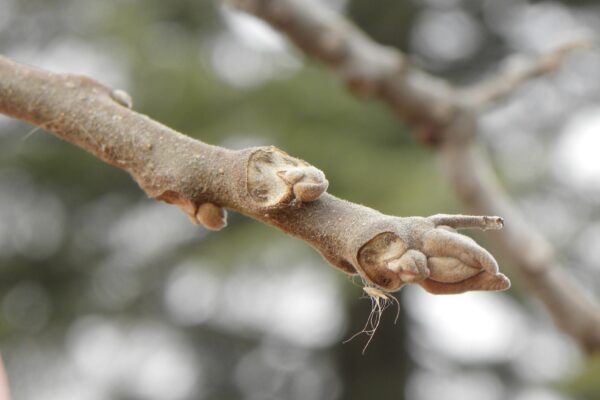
(105, 294)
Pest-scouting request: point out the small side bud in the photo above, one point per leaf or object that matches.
(122, 97)
(212, 216)
(308, 183)
(292, 176)
(276, 179)
(312, 186)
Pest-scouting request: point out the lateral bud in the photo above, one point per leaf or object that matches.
(212, 216)
(276, 179)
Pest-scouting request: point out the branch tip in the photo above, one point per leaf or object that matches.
(468, 221)
(276, 179)
(415, 250)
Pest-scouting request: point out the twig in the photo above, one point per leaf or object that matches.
(263, 183)
(468, 221)
(516, 71)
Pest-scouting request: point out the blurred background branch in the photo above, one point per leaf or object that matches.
(516, 71)
(367, 68)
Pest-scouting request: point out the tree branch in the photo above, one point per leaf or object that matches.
(445, 116)
(516, 71)
(367, 68)
(263, 182)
